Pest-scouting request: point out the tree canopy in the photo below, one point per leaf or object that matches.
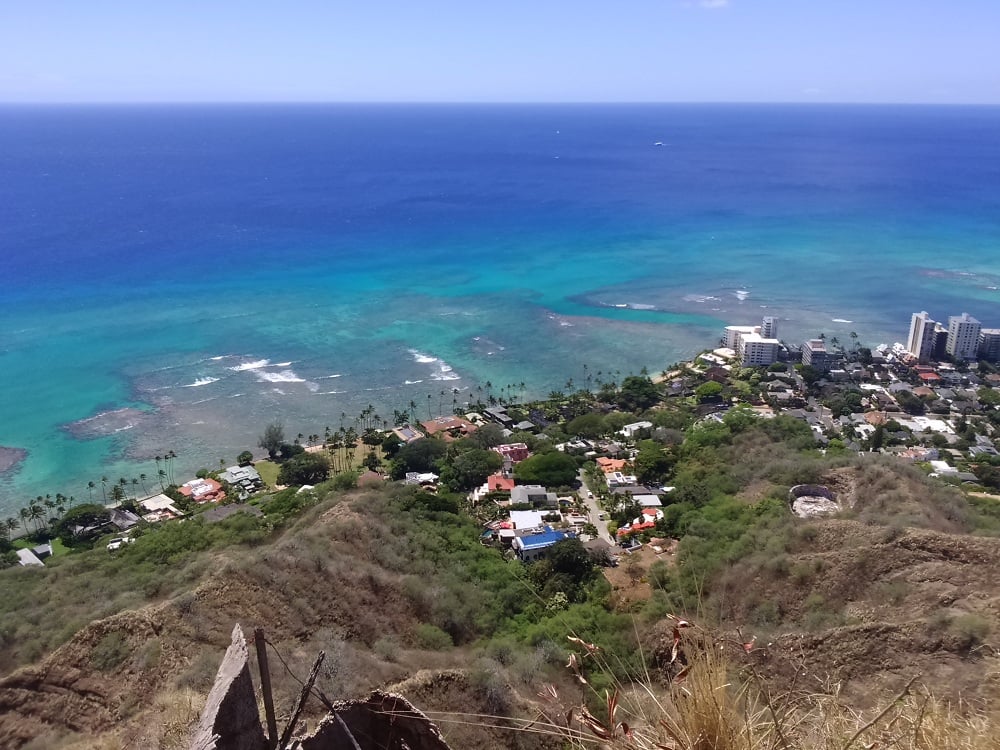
(548, 469)
(272, 438)
(304, 468)
(637, 393)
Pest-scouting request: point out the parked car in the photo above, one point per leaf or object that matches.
(118, 542)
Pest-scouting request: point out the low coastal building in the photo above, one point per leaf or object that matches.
(534, 495)
(244, 477)
(205, 490)
(26, 558)
(449, 428)
(407, 434)
(630, 430)
(516, 452)
(159, 508)
(533, 546)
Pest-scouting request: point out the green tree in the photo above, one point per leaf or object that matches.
(637, 393)
(566, 567)
(710, 391)
(549, 469)
(304, 468)
(470, 468)
(272, 439)
(652, 464)
(245, 458)
(587, 425)
(80, 517)
(420, 455)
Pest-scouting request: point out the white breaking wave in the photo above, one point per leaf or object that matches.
(842, 320)
(285, 376)
(200, 382)
(424, 359)
(741, 294)
(412, 382)
(255, 365)
(327, 377)
(445, 372)
(282, 364)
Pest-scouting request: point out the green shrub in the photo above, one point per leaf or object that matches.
(109, 652)
(432, 638)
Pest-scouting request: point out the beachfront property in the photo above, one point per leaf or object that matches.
(751, 347)
(989, 344)
(244, 478)
(963, 336)
(815, 355)
(159, 508)
(920, 342)
(769, 327)
(449, 428)
(205, 490)
(407, 434)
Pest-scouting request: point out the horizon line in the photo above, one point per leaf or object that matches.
(485, 103)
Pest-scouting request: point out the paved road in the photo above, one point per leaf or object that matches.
(594, 510)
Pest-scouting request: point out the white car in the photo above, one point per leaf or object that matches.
(119, 542)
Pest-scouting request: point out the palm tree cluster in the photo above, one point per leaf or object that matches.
(40, 513)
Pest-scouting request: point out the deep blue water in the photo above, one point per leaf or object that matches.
(145, 249)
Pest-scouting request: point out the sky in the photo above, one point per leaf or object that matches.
(891, 51)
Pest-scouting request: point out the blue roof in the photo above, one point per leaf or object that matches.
(545, 539)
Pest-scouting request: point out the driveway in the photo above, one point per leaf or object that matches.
(594, 510)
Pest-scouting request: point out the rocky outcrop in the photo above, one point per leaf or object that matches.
(230, 720)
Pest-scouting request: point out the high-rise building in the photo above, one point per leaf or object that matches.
(815, 355)
(753, 350)
(769, 327)
(921, 340)
(989, 344)
(963, 336)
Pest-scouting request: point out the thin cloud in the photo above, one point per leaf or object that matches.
(713, 3)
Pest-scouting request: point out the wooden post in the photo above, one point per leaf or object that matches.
(265, 686)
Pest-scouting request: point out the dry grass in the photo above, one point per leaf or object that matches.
(716, 700)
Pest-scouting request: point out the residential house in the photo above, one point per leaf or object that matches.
(449, 428)
(534, 495)
(516, 452)
(630, 430)
(533, 546)
(205, 490)
(245, 479)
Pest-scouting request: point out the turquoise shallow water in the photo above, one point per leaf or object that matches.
(208, 270)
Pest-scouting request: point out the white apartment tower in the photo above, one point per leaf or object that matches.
(769, 328)
(963, 336)
(921, 341)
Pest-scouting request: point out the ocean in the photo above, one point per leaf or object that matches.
(176, 277)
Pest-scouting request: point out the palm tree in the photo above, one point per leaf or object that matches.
(11, 525)
(135, 485)
(161, 475)
(104, 488)
(90, 489)
(142, 479)
(23, 513)
(171, 456)
(123, 482)
(36, 513)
